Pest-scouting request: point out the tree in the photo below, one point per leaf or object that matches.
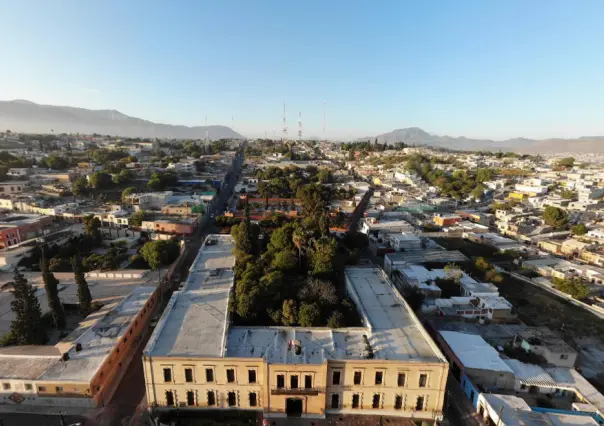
(568, 194)
(80, 186)
(124, 176)
(52, 292)
(493, 276)
(335, 320)
(137, 218)
(555, 217)
(579, 229)
(126, 194)
(26, 327)
(84, 296)
(566, 163)
(482, 264)
(322, 255)
(161, 252)
(285, 260)
(484, 174)
(453, 272)
(478, 192)
(309, 315)
(100, 180)
(572, 286)
(55, 162)
(92, 227)
(289, 312)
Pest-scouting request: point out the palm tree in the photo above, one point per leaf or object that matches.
(300, 240)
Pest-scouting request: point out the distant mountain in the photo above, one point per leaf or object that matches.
(417, 136)
(25, 116)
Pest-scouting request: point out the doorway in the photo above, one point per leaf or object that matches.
(293, 407)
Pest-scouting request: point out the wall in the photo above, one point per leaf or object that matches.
(470, 390)
(317, 400)
(106, 380)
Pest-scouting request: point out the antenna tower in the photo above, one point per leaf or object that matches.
(324, 120)
(284, 125)
(299, 126)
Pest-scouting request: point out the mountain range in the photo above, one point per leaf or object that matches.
(417, 136)
(26, 116)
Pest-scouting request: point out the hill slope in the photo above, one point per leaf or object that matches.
(25, 116)
(417, 136)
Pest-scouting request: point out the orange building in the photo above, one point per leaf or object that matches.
(446, 219)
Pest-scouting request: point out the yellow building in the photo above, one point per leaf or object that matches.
(517, 196)
(196, 360)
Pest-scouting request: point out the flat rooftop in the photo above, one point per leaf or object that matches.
(27, 362)
(99, 340)
(427, 256)
(474, 352)
(193, 324)
(216, 252)
(395, 332)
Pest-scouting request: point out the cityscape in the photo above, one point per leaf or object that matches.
(321, 214)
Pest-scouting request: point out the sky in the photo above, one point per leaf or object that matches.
(486, 69)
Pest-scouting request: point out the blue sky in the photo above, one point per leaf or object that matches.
(483, 68)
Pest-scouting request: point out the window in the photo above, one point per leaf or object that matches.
(398, 402)
(251, 376)
(419, 405)
(167, 375)
(28, 386)
(563, 356)
(423, 380)
(308, 381)
(188, 375)
(6, 386)
(41, 388)
(357, 377)
(169, 398)
(293, 382)
(379, 377)
(335, 378)
(280, 381)
(401, 379)
(230, 375)
(232, 399)
(59, 389)
(190, 398)
(211, 398)
(209, 375)
(355, 400)
(375, 403)
(335, 400)
(253, 399)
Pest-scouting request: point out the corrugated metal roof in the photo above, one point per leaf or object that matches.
(530, 374)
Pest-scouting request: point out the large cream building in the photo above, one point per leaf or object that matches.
(196, 360)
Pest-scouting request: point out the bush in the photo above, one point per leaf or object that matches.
(7, 340)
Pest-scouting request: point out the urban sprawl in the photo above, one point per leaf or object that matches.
(146, 281)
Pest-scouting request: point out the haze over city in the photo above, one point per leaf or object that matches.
(493, 70)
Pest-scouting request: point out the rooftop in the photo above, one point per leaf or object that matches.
(27, 362)
(98, 341)
(426, 256)
(216, 252)
(474, 352)
(193, 324)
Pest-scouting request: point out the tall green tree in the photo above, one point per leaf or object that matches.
(51, 285)
(26, 327)
(92, 227)
(84, 297)
(555, 217)
(127, 192)
(579, 229)
(100, 180)
(80, 186)
(160, 253)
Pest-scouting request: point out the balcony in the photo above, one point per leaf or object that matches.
(297, 391)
